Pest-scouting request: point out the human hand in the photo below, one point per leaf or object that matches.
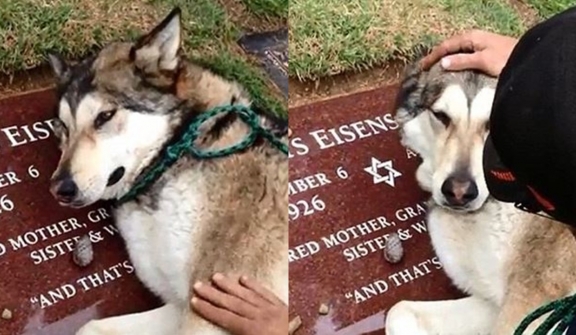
(241, 306)
(489, 52)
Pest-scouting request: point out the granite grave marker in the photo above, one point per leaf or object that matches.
(46, 293)
(271, 48)
(352, 185)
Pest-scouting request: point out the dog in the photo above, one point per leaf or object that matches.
(117, 111)
(508, 262)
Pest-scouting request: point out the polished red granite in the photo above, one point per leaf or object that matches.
(352, 184)
(46, 292)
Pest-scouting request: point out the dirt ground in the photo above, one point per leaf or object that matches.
(26, 81)
(302, 93)
(528, 14)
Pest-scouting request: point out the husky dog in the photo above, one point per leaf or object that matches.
(118, 110)
(507, 261)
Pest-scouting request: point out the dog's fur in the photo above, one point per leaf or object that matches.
(227, 215)
(508, 261)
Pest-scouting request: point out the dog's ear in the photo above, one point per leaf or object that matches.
(159, 49)
(431, 92)
(59, 66)
(408, 99)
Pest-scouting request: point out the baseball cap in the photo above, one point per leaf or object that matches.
(530, 154)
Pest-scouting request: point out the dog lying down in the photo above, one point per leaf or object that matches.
(508, 261)
(118, 110)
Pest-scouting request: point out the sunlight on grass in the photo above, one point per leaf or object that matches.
(330, 36)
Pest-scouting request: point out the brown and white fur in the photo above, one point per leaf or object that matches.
(117, 111)
(509, 262)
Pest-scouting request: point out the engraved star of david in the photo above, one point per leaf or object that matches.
(388, 178)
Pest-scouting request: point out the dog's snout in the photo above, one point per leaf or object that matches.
(64, 188)
(67, 189)
(459, 191)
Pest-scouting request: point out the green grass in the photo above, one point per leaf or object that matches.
(31, 28)
(205, 23)
(330, 36)
(268, 8)
(231, 67)
(28, 29)
(547, 8)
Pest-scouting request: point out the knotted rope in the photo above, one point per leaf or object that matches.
(175, 151)
(563, 313)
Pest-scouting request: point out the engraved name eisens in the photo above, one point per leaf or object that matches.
(18, 135)
(346, 133)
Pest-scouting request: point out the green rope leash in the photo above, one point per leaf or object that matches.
(563, 312)
(175, 151)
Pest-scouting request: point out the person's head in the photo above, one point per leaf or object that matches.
(530, 155)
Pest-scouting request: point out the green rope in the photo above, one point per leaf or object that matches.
(175, 151)
(563, 312)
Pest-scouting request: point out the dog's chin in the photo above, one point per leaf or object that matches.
(457, 209)
(464, 209)
(77, 204)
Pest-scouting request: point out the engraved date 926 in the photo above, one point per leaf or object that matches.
(6, 205)
(304, 208)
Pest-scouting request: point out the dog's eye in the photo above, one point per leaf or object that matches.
(104, 117)
(442, 117)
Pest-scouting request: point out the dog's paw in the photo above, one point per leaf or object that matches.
(402, 320)
(96, 328)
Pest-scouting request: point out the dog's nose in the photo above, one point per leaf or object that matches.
(67, 189)
(459, 191)
(64, 189)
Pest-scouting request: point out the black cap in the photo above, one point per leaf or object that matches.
(530, 154)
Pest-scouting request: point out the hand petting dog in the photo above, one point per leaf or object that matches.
(473, 50)
(241, 306)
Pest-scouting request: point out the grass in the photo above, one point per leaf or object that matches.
(328, 37)
(31, 28)
(231, 67)
(547, 8)
(268, 8)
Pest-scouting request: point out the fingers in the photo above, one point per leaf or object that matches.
(463, 62)
(469, 41)
(261, 290)
(233, 287)
(227, 301)
(219, 316)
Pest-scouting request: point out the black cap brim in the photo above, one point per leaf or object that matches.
(502, 184)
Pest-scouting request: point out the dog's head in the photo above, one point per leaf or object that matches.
(116, 111)
(444, 118)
